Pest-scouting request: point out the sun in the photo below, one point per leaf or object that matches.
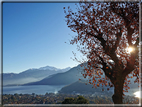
(130, 49)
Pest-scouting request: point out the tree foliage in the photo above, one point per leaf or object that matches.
(104, 32)
(78, 100)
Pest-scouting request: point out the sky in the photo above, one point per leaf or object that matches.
(34, 35)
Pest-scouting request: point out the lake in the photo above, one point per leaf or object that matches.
(43, 89)
(37, 89)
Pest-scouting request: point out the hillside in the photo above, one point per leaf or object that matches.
(61, 78)
(81, 87)
(30, 75)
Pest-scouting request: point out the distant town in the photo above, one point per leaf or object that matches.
(52, 98)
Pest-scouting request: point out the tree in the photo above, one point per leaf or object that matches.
(82, 100)
(105, 31)
(78, 100)
(69, 101)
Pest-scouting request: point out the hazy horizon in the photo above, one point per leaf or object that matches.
(38, 68)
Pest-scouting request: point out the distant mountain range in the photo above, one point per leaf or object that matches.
(61, 78)
(70, 79)
(54, 76)
(55, 69)
(31, 75)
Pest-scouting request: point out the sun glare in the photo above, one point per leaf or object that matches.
(130, 49)
(137, 94)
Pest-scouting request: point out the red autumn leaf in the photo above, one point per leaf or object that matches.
(98, 85)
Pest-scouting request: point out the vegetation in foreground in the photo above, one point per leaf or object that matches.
(78, 100)
(51, 98)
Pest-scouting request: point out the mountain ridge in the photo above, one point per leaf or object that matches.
(61, 78)
(29, 75)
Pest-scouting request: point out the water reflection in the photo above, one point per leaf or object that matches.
(55, 92)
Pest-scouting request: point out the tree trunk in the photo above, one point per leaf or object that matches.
(118, 92)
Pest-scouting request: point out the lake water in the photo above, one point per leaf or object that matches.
(42, 89)
(37, 89)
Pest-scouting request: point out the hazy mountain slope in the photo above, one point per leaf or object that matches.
(70, 79)
(30, 75)
(65, 78)
(27, 76)
(61, 78)
(81, 87)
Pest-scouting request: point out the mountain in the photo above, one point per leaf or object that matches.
(49, 68)
(61, 78)
(81, 87)
(55, 69)
(30, 75)
(65, 69)
(70, 79)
